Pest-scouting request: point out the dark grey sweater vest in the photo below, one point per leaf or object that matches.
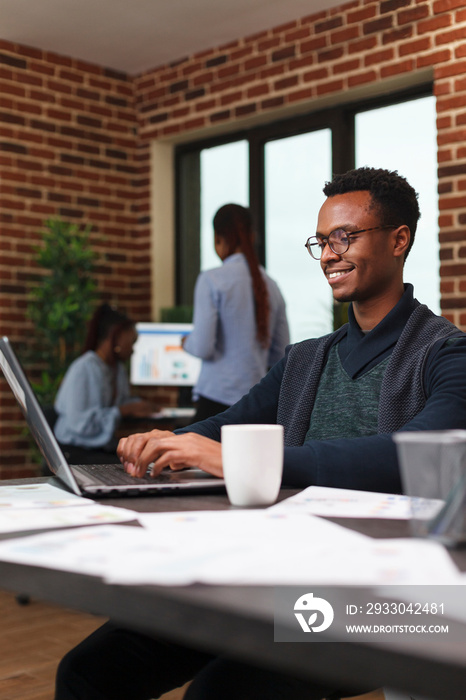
(402, 394)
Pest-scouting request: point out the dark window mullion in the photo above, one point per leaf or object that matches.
(257, 192)
(188, 218)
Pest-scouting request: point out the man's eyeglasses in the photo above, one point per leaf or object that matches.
(338, 240)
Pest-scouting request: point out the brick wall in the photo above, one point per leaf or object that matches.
(330, 56)
(68, 149)
(74, 138)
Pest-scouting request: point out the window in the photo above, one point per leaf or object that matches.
(295, 169)
(403, 137)
(280, 170)
(224, 178)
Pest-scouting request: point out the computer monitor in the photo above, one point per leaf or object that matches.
(158, 357)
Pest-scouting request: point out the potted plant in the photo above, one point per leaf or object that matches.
(62, 301)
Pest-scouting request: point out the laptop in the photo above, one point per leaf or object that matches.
(93, 480)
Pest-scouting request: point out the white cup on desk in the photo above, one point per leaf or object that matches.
(252, 457)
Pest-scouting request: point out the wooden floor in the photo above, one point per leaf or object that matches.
(33, 639)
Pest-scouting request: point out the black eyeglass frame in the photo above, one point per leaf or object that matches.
(326, 240)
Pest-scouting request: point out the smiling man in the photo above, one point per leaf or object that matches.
(394, 366)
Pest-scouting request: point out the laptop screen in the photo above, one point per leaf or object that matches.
(34, 415)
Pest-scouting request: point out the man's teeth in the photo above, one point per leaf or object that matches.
(337, 274)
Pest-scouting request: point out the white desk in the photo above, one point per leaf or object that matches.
(239, 621)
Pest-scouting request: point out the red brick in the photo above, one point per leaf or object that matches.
(328, 24)
(273, 102)
(397, 68)
(434, 23)
(205, 105)
(244, 110)
(254, 63)
(416, 46)
(302, 62)
(300, 95)
(361, 78)
(100, 83)
(11, 89)
(72, 76)
(433, 58)
(381, 56)
(448, 287)
(297, 34)
(29, 79)
(285, 83)
(7, 46)
(452, 203)
(451, 37)
(413, 15)
(442, 88)
(451, 103)
(88, 67)
(392, 5)
(258, 90)
(397, 35)
(284, 53)
(344, 35)
(444, 122)
(206, 77)
(313, 44)
(346, 66)
(58, 114)
(230, 98)
(6, 73)
(360, 15)
(317, 74)
(330, 54)
(272, 72)
(241, 53)
(446, 5)
(333, 86)
(269, 43)
(445, 220)
(362, 45)
(229, 71)
(444, 155)
(56, 86)
(453, 69)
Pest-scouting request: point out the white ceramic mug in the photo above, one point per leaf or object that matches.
(252, 457)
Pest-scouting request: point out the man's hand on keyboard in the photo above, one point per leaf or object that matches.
(165, 449)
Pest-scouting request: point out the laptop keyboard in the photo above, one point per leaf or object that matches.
(114, 474)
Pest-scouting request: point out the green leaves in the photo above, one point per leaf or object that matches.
(62, 300)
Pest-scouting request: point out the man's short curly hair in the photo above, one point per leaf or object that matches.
(392, 195)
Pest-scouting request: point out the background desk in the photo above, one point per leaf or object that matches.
(238, 620)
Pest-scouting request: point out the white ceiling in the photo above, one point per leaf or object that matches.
(135, 35)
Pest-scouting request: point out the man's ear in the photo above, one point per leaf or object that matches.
(402, 238)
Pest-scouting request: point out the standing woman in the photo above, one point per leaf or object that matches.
(240, 325)
(95, 394)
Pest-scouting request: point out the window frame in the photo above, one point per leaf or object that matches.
(340, 119)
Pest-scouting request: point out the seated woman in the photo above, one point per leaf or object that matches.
(95, 394)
